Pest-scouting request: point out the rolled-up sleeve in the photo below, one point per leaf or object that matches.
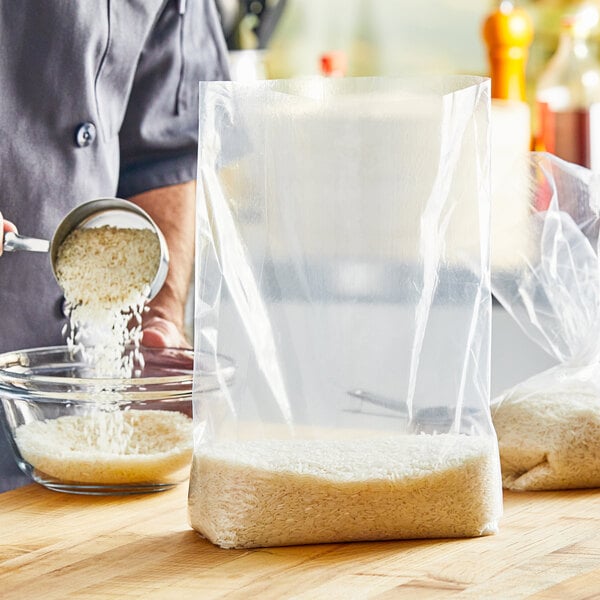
(159, 135)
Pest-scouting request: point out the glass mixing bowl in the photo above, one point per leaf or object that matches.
(72, 431)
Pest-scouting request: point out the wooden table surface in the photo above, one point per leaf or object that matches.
(55, 545)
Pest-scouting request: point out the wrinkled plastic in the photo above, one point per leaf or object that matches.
(549, 425)
(343, 263)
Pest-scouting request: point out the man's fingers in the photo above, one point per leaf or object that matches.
(161, 333)
(6, 225)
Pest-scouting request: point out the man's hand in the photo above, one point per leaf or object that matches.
(4, 227)
(160, 332)
(173, 209)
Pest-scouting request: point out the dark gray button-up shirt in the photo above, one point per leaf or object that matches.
(98, 98)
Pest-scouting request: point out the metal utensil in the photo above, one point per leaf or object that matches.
(13, 242)
(431, 419)
(95, 213)
(384, 402)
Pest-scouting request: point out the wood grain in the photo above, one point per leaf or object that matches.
(56, 545)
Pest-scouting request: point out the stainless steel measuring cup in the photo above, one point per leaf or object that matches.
(95, 213)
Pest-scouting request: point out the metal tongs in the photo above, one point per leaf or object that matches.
(95, 213)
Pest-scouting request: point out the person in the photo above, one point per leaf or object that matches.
(100, 99)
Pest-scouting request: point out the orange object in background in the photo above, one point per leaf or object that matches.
(334, 64)
(508, 33)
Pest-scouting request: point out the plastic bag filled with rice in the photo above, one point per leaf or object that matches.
(549, 426)
(342, 232)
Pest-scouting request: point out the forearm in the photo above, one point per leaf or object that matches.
(173, 210)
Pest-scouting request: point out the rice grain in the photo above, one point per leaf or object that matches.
(134, 446)
(274, 492)
(549, 441)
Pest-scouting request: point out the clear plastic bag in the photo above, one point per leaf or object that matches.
(549, 425)
(343, 264)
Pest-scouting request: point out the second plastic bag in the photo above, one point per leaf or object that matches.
(549, 425)
(343, 263)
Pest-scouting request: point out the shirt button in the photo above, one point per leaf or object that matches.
(85, 134)
(60, 309)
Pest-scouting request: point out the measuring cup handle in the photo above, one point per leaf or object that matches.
(14, 242)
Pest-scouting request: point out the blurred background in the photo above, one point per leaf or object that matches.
(547, 61)
(380, 37)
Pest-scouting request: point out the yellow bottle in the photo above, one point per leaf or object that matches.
(508, 33)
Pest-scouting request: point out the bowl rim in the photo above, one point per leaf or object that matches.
(207, 380)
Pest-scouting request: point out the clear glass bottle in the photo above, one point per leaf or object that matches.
(568, 95)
